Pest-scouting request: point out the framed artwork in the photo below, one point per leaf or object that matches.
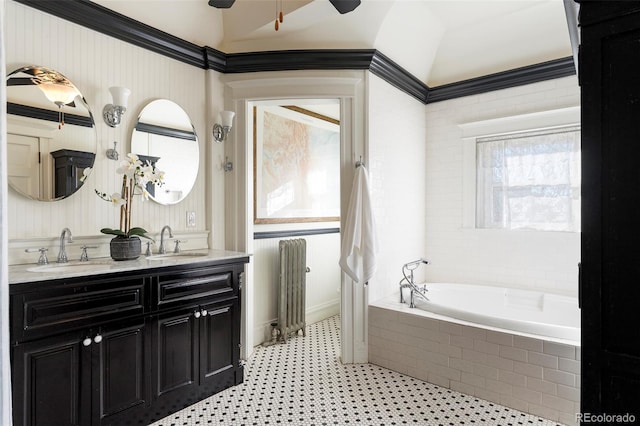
(296, 165)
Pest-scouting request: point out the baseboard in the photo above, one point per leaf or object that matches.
(262, 332)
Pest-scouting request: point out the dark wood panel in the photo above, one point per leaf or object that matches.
(175, 349)
(120, 372)
(609, 60)
(144, 366)
(78, 305)
(179, 289)
(50, 382)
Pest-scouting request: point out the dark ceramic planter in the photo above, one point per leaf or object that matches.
(125, 248)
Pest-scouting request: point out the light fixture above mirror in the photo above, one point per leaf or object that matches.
(112, 113)
(220, 131)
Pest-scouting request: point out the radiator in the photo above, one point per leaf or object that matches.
(291, 302)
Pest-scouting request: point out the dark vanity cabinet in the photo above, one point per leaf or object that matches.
(125, 348)
(69, 168)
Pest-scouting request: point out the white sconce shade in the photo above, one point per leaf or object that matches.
(112, 113)
(120, 96)
(227, 118)
(220, 131)
(58, 93)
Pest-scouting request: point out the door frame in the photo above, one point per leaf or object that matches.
(240, 91)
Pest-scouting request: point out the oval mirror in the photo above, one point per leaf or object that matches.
(51, 135)
(165, 137)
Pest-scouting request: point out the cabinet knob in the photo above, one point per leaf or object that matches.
(86, 341)
(204, 312)
(98, 338)
(196, 314)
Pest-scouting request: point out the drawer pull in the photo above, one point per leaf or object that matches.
(87, 341)
(97, 339)
(204, 312)
(196, 314)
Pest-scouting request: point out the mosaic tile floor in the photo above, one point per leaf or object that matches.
(303, 382)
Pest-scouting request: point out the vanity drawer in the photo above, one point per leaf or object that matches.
(190, 286)
(75, 305)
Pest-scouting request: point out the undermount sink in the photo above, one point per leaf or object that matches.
(65, 267)
(175, 255)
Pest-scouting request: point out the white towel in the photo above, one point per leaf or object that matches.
(359, 239)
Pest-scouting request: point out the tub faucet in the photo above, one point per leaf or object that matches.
(162, 250)
(62, 254)
(410, 267)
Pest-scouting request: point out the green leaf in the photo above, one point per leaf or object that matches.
(110, 231)
(140, 232)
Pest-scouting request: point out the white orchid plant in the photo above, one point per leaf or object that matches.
(136, 176)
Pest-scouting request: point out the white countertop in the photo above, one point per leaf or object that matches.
(105, 265)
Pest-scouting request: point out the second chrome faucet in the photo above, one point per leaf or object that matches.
(162, 249)
(62, 254)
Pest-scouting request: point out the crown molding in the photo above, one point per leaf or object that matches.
(557, 68)
(106, 21)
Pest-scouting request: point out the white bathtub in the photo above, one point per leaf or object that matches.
(516, 348)
(535, 313)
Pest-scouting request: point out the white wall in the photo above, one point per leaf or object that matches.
(94, 62)
(397, 152)
(323, 282)
(541, 260)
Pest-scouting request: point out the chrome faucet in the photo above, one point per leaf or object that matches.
(62, 254)
(408, 282)
(162, 250)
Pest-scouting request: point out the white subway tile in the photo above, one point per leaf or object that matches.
(499, 362)
(543, 360)
(570, 393)
(499, 387)
(528, 370)
(557, 403)
(512, 378)
(502, 339)
(527, 343)
(529, 395)
(472, 379)
(486, 347)
(569, 365)
(542, 386)
(559, 377)
(513, 353)
(558, 349)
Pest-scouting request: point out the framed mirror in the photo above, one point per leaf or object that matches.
(51, 134)
(165, 136)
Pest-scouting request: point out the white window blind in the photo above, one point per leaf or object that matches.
(529, 180)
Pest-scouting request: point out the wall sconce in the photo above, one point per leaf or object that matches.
(220, 131)
(112, 113)
(60, 93)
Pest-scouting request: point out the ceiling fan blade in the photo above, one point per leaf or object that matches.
(221, 4)
(345, 6)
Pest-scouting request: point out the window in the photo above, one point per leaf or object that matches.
(529, 180)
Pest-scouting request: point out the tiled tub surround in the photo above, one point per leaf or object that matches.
(529, 374)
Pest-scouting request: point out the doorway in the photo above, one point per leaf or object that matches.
(296, 194)
(241, 90)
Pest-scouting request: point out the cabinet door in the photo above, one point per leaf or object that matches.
(121, 377)
(219, 346)
(175, 342)
(51, 382)
(609, 63)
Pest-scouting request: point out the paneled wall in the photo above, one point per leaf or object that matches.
(94, 62)
(540, 260)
